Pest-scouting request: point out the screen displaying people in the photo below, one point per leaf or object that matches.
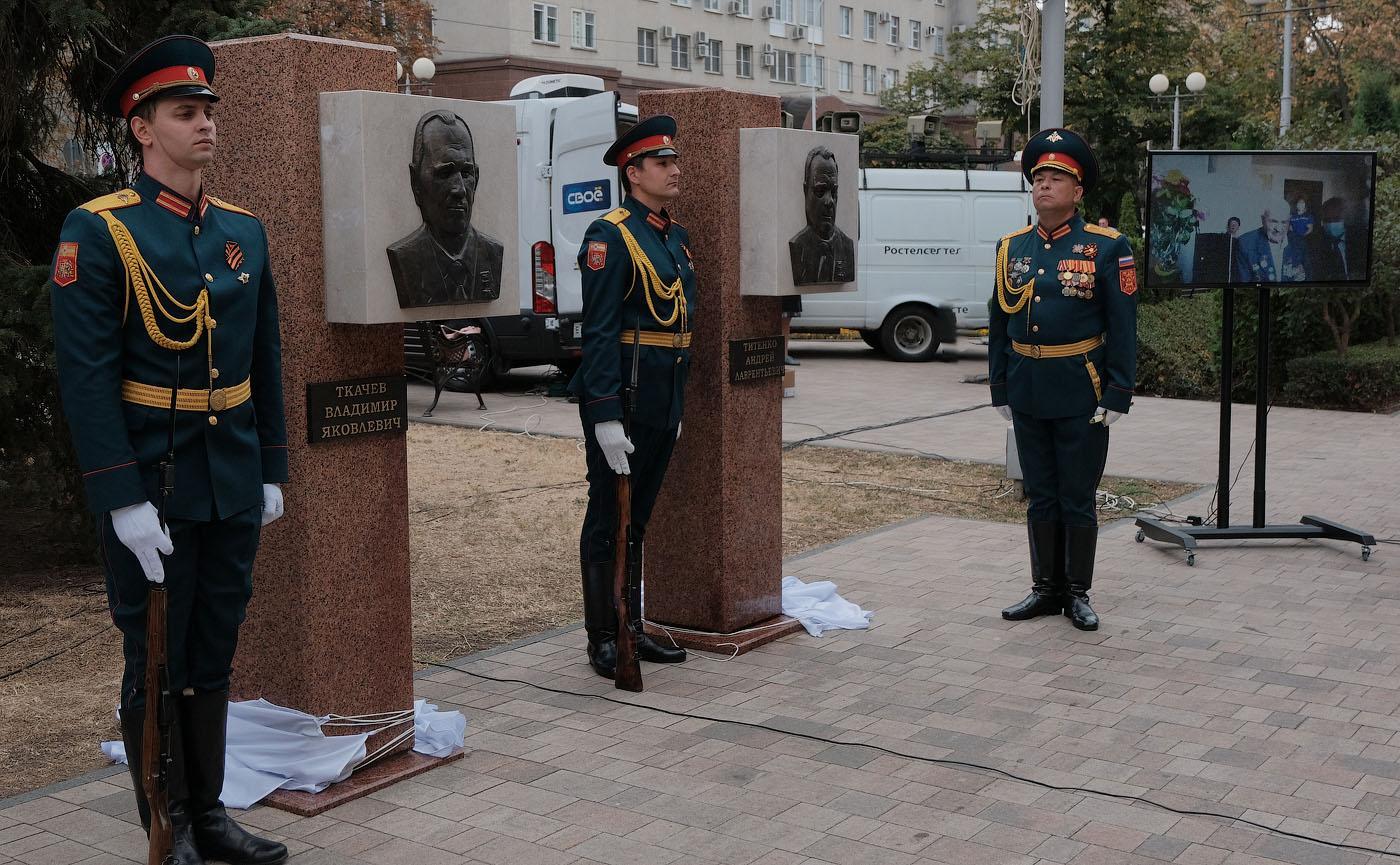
(1261, 218)
(446, 260)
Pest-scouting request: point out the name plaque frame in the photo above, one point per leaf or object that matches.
(338, 410)
(756, 358)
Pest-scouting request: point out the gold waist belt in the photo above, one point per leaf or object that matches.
(1067, 350)
(217, 399)
(660, 340)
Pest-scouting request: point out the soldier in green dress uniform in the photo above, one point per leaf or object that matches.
(1062, 355)
(157, 287)
(638, 287)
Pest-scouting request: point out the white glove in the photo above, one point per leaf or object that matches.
(1004, 411)
(1107, 417)
(138, 528)
(272, 503)
(615, 445)
(678, 430)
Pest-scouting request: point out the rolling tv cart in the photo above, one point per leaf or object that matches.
(1188, 536)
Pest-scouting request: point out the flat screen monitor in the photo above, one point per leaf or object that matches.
(1236, 218)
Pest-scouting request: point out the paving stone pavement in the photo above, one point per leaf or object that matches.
(1259, 684)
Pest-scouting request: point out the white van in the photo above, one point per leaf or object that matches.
(563, 185)
(927, 256)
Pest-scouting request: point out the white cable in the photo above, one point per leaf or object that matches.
(483, 427)
(1027, 85)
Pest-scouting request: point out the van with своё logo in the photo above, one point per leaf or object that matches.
(927, 256)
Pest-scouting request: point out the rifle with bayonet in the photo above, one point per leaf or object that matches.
(629, 669)
(155, 733)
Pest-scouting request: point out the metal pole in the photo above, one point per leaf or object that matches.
(1261, 404)
(1176, 119)
(1285, 103)
(812, 42)
(1052, 64)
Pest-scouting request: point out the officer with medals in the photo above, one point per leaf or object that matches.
(638, 296)
(159, 292)
(1063, 355)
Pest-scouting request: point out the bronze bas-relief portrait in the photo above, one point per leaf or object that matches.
(445, 260)
(821, 252)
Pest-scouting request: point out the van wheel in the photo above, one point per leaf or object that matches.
(908, 334)
(872, 339)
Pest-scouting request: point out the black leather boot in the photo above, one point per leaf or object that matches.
(183, 847)
(205, 719)
(1080, 544)
(647, 648)
(599, 618)
(1045, 597)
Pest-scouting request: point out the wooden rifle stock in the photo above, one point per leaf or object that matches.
(155, 733)
(629, 669)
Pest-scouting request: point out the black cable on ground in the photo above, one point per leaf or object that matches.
(51, 656)
(940, 761)
(860, 429)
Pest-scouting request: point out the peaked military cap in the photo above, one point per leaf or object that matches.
(169, 66)
(1062, 149)
(655, 136)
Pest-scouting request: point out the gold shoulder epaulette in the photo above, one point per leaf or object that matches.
(1099, 229)
(224, 205)
(617, 215)
(113, 201)
(1017, 233)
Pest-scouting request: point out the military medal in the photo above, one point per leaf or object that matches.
(233, 255)
(243, 277)
(1090, 249)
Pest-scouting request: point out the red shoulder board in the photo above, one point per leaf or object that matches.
(597, 254)
(65, 267)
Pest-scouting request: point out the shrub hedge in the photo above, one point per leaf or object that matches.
(1366, 379)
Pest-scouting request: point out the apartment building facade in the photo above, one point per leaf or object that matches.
(848, 49)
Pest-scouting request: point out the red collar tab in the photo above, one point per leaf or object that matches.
(161, 79)
(660, 223)
(1062, 161)
(1053, 235)
(646, 145)
(178, 205)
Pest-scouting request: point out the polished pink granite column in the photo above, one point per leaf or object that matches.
(330, 627)
(714, 547)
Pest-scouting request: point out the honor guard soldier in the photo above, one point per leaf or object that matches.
(638, 299)
(163, 293)
(1063, 350)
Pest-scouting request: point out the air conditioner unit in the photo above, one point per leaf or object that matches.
(767, 12)
(884, 17)
(768, 48)
(734, 7)
(796, 31)
(702, 50)
(959, 28)
(668, 32)
(701, 36)
(931, 30)
(769, 60)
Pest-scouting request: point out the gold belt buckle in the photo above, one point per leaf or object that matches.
(218, 399)
(677, 340)
(1035, 352)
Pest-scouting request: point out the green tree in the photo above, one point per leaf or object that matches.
(1375, 110)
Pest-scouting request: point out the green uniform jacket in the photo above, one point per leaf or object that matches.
(1082, 284)
(222, 458)
(614, 304)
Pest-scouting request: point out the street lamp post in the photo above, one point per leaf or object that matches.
(423, 69)
(1158, 84)
(1285, 102)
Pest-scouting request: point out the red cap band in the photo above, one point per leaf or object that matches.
(1062, 161)
(655, 142)
(159, 80)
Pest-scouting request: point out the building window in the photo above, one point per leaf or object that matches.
(891, 78)
(869, 79)
(869, 26)
(785, 11)
(711, 5)
(584, 32)
(712, 57)
(894, 29)
(680, 52)
(916, 36)
(848, 16)
(680, 2)
(547, 23)
(812, 13)
(938, 45)
(843, 75)
(646, 47)
(785, 67)
(743, 61)
(805, 75)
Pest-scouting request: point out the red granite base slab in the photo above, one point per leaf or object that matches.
(362, 783)
(749, 638)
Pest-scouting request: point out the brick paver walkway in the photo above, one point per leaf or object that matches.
(1260, 683)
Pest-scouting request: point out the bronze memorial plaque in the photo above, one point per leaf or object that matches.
(756, 358)
(355, 407)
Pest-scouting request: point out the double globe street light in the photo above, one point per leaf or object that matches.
(1158, 84)
(423, 71)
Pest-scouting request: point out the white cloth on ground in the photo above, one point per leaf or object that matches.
(271, 747)
(819, 608)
